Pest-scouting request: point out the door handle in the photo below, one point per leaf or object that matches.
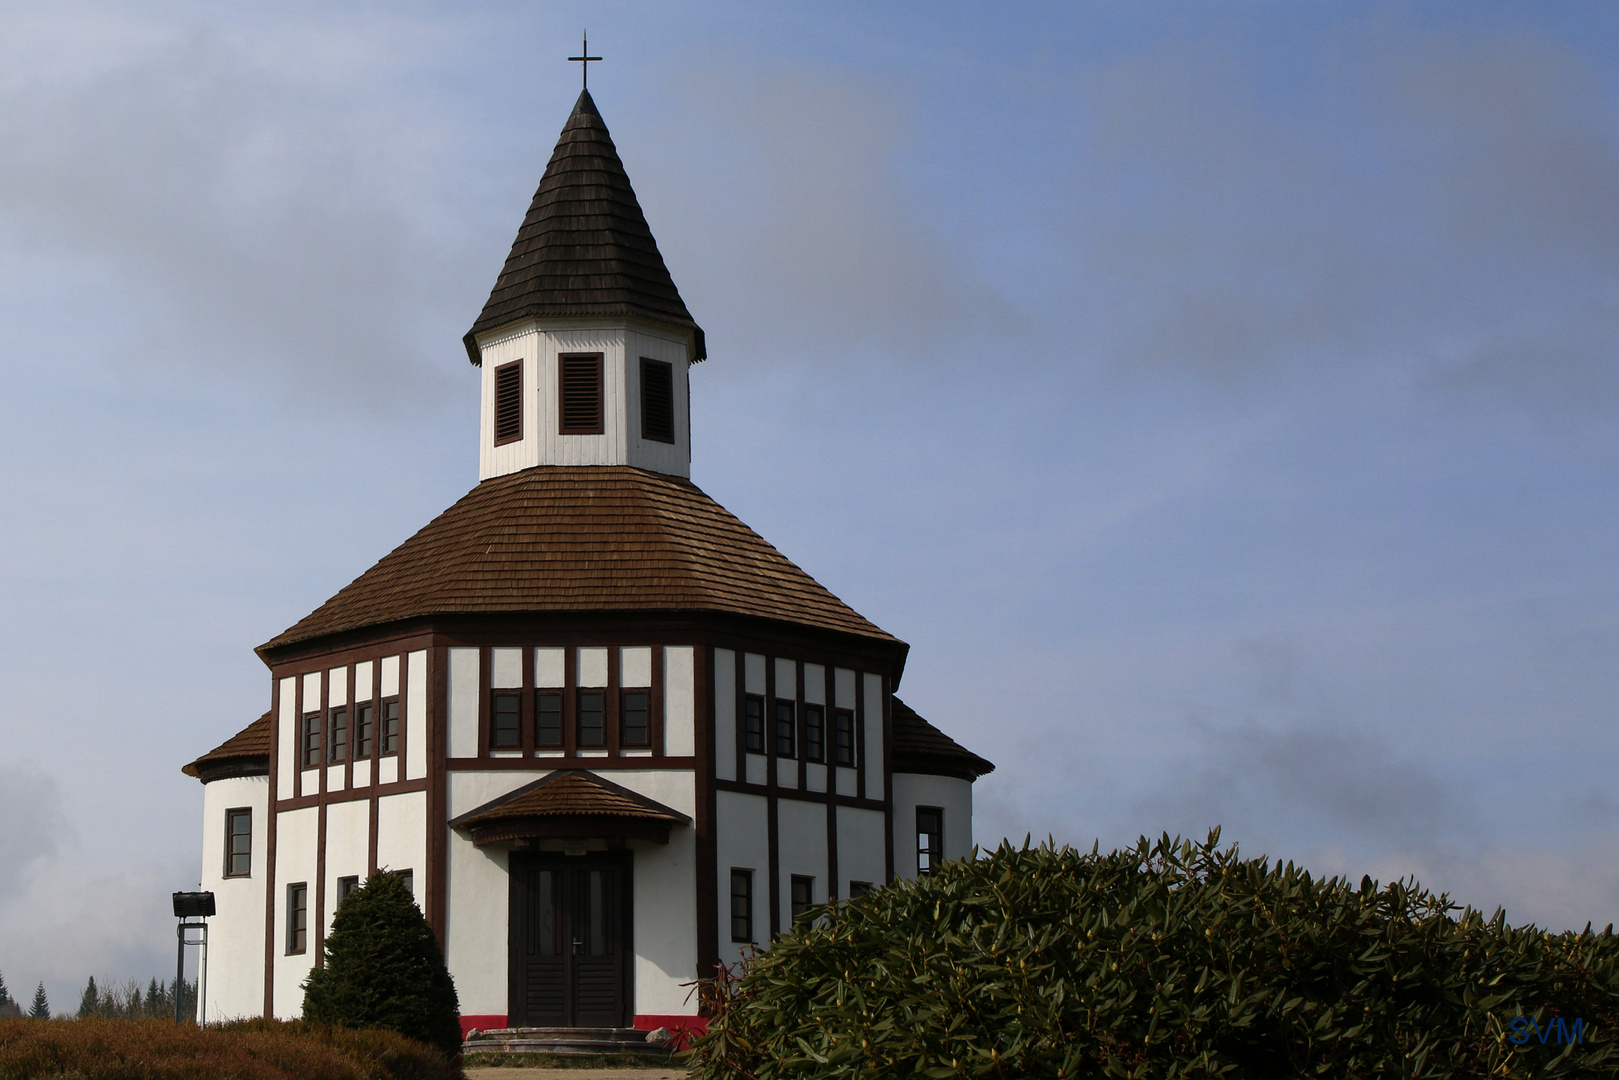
(578, 946)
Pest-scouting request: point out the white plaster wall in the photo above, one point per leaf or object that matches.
(753, 673)
(550, 667)
(390, 676)
(635, 665)
(742, 841)
(294, 861)
(337, 686)
(416, 716)
(469, 789)
(679, 701)
(402, 836)
(287, 740)
(312, 698)
(725, 714)
(801, 847)
(622, 343)
(786, 680)
(954, 797)
(843, 688)
(506, 669)
(364, 678)
(815, 684)
(464, 676)
(861, 851)
(236, 932)
(348, 837)
(874, 736)
(592, 667)
(475, 927)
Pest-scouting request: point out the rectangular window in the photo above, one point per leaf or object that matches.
(238, 843)
(581, 393)
(929, 839)
(753, 731)
(390, 726)
(814, 733)
(311, 745)
(506, 719)
(364, 729)
(634, 725)
(786, 730)
(803, 890)
(741, 905)
(509, 402)
(592, 729)
(857, 889)
(657, 400)
(297, 917)
(843, 737)
(409, 878)
(338, 745)
(346, 885)
(547, 718)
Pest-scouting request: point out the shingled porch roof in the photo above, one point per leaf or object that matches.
(572, 804)
(246, 753)
(587, 538)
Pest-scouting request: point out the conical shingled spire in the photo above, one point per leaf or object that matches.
(584, 248)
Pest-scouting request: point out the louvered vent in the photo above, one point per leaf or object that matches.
(581, 394)
(657, 400)
(509, 402)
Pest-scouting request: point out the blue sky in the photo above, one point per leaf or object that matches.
(1218, 397)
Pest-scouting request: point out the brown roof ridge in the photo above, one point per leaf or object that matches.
(578, 538)
(919, 747)
(242, 751)
(584, 247)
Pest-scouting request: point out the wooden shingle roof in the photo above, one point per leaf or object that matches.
(583, 538)
(570, 793)
(919, 747)
(246, 753)
(584, 248)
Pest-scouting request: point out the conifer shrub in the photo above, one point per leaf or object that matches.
(1165, 960)
(383, 968)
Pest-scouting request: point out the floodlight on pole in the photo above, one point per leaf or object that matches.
(193, 909)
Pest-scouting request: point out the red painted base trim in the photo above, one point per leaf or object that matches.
(684, 1028)
(481, 1021)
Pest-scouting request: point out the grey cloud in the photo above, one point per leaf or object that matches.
(31, 822)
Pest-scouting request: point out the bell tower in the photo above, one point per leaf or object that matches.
(585, 344)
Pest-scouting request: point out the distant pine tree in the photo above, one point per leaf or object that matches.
(157, 1000)
(383, 968)
(90, 1003)
(41, 1009)
(5, 996)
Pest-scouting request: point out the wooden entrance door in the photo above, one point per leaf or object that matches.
(569, 941)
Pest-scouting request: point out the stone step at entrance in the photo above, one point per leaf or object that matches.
(565, 1042)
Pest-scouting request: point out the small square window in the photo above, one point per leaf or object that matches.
(238, 842)
(297, 917)
(741, 905)
(346, 885)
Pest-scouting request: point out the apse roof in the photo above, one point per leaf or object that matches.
(919, 747)
(584, 248)
(585, 538)
(245, 753)
(570, 793)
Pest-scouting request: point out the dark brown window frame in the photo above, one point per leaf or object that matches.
(843, 724)
(857, 889)
(561, 695)
(309, 734)
(337, 735)
(814, 732)
(753, 736)
(741, 905)
(516, 697)
(346, 885)
(665, 371)
(231, 815)
(297, 918)
(384, 733)
(623, 715)
(785, 733)
(365, 729)
(507, 419)
(934, 850)
(568, 376)
(579, 717)
(800, 905)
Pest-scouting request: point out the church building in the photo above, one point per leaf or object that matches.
(609, 735)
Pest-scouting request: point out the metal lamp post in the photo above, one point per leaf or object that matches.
(189, 906)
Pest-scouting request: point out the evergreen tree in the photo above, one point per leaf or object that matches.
(90, 1003)
(157, 1000)
(5, 996)
(41, 1009)
(383, 968)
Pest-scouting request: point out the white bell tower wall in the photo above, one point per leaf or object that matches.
(622, 344)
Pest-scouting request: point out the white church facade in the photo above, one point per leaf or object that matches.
(610, 734)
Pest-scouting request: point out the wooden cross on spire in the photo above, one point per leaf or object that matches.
(584, 62)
